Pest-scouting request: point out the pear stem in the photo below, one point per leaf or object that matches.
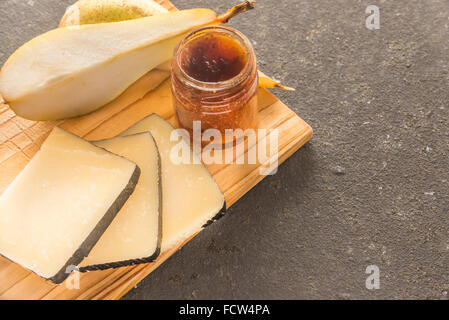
(243, 7)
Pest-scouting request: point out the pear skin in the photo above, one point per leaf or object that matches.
(99, 11)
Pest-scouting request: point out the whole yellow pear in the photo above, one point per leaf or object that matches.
(99, 11)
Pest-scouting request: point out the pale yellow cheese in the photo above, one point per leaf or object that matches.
(135, 232)
(190, 195)
(56, 202)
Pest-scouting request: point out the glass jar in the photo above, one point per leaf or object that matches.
(215, 81)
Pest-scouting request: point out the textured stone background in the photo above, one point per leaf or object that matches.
(370, 188)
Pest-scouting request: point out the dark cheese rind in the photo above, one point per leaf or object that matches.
(130, 262)
(120, 264)
(218, 216)
(100, 228)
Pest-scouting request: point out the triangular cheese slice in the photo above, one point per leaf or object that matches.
(58, 207)
(135, 234)
(191, 198)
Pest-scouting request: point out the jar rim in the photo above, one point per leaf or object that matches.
(220, 85)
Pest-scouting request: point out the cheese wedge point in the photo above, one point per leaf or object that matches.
(135, 234)
(72, 71)
(191, 197)
(58, 207)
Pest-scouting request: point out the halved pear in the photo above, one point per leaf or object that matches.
(72, 71)
(98, 11)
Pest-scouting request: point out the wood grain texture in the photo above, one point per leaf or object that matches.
(20, 139)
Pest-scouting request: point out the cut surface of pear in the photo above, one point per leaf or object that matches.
(72, 71)
(98, 11)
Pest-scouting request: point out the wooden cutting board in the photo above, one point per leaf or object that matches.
(20, 139)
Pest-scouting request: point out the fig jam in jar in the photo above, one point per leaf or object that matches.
(215, 81)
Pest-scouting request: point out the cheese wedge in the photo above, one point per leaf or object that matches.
(191, 198)
(58, 207)
(135, 234)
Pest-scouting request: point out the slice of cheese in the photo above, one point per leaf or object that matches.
(58, 207)
(135, 234)
(191, 198)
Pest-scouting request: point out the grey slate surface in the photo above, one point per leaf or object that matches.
(370, 188)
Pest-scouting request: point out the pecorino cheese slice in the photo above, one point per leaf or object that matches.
(58, 207)
(135, 234)
(191, 198)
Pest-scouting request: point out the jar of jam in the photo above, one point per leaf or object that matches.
(215, 81)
